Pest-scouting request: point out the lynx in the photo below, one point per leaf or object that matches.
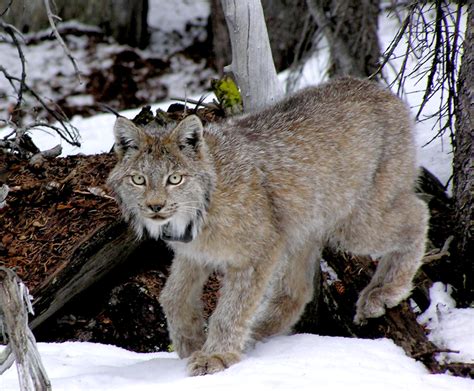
(258, 196)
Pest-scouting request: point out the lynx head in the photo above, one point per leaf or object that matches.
(164, 178)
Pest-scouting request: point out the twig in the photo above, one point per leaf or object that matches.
(436, 254)
(12, 32)
(394, 44)
(435, 45)
(6, 8)
(431, 352)
(51, 17)
(38, 159)
(196, 102)
(70, 135)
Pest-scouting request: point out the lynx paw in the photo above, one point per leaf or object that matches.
(374, 300)
(201, 363)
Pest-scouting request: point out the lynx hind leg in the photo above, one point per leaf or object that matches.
(181, 302)
(400, 239)
(291, 289)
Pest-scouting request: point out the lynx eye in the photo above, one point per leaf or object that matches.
(175, 179)
(138, 179)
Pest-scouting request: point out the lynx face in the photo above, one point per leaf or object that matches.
(162, 180)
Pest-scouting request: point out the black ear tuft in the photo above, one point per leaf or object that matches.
(189, 132)
(127, 136)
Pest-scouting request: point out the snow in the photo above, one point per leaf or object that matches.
(298, 362)
(450, 328)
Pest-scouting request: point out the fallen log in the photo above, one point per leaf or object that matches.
(398, 324)
(60, 230)
(94, 257)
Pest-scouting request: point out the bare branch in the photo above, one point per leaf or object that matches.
(14, 307)
(394, 44)
(51, 18)
(435, 44)
(6, 8)
(68, 132)
(38, 159)
(12, 32)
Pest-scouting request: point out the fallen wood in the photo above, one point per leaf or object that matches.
(99, 253)
(60, 229)
(398, 324)
(21, 344)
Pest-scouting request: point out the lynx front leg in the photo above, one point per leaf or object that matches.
(229, 326)
(181, 302)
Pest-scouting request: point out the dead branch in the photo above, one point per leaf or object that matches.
(37, 159)
(66, 131)
(13, 32)
(435, 44)
(51, 18)
(14, 307)
(437, 253)
(17, 140)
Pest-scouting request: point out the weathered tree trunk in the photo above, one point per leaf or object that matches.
(463, 168)
(125, 20)
(290, 37)
(350, 27)
(252, 63)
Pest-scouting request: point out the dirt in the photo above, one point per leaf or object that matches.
(49, 209)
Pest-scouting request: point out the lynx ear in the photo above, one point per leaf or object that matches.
(189, 132)
(127, 136)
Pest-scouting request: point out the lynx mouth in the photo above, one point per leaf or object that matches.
(158, 217)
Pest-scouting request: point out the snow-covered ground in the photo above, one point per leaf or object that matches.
(298, 362)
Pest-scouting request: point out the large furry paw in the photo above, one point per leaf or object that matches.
(374, 300)
(201, 363)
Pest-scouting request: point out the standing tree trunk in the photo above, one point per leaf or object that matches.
(463, 168)
(350, 27)
(290, 37)
(252, 62)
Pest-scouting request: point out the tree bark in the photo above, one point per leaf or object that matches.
(350, 27)
(290, 37)
(92, 260)
(252, 63)
(463, 168)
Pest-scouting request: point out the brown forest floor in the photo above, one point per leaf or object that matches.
(50, 209)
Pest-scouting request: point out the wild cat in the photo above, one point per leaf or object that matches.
(258, 196)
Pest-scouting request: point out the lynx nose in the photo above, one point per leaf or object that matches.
(155, 207)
